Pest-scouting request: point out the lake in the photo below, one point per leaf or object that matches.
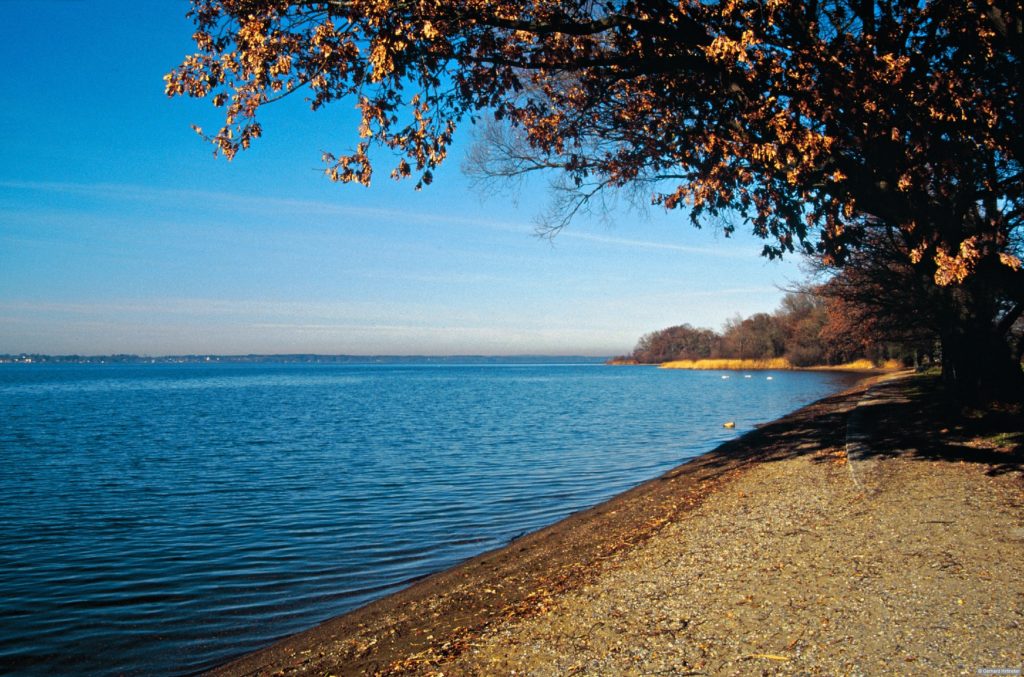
(161, 519)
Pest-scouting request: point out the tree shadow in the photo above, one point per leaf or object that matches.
(913, 418)
(812, 430)
(919, 419)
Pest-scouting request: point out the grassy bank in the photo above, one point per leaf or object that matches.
(779, 363)
(734, 365)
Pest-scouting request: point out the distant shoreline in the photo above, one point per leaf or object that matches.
(298, 358)
(777, 364)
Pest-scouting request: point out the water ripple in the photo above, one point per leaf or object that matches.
(162, 519)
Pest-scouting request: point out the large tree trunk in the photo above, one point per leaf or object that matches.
(977, 362)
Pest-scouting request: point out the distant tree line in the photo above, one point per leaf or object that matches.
(820, 325)
(874, 306)
(293, 358)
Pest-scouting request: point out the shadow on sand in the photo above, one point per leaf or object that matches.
(917, 419)
(913, 418)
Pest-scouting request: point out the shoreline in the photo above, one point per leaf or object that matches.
(758, 365)
(859, 367)
(434, 619)
(892, 548)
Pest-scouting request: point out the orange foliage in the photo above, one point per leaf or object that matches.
(809, 121)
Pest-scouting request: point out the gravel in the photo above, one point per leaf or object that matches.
(811, 564)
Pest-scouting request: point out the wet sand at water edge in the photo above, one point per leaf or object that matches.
(877, 531)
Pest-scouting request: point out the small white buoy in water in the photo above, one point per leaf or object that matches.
(770, 378)
(725, 376)
(729, 424)
(748, 376)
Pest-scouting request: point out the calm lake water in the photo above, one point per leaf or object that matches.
(160, 519)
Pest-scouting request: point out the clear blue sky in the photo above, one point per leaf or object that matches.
(119, 232)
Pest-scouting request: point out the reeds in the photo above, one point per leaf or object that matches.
(734, 365)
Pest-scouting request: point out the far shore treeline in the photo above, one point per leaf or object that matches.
(807, 330)
(296, 358)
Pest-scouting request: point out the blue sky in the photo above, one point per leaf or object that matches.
(119, 232)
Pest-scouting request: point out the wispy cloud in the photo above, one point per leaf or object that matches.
(271, 206)
(268, 314)
(253, 203)
(717, 252)
(200, 307)
(715, 293)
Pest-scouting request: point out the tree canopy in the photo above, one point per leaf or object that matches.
(813, 123)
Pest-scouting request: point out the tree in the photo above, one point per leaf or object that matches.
(802, 316)
(814, 122)
(682, 342)
(758, 337)
(879, 295)
(803, 329)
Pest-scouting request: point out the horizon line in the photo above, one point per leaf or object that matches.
(360, 355)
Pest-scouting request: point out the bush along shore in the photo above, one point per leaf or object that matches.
(877, 531)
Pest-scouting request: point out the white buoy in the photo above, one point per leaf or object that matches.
(725, 376)
(770, 378)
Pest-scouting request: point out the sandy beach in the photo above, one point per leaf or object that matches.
(873, 532)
